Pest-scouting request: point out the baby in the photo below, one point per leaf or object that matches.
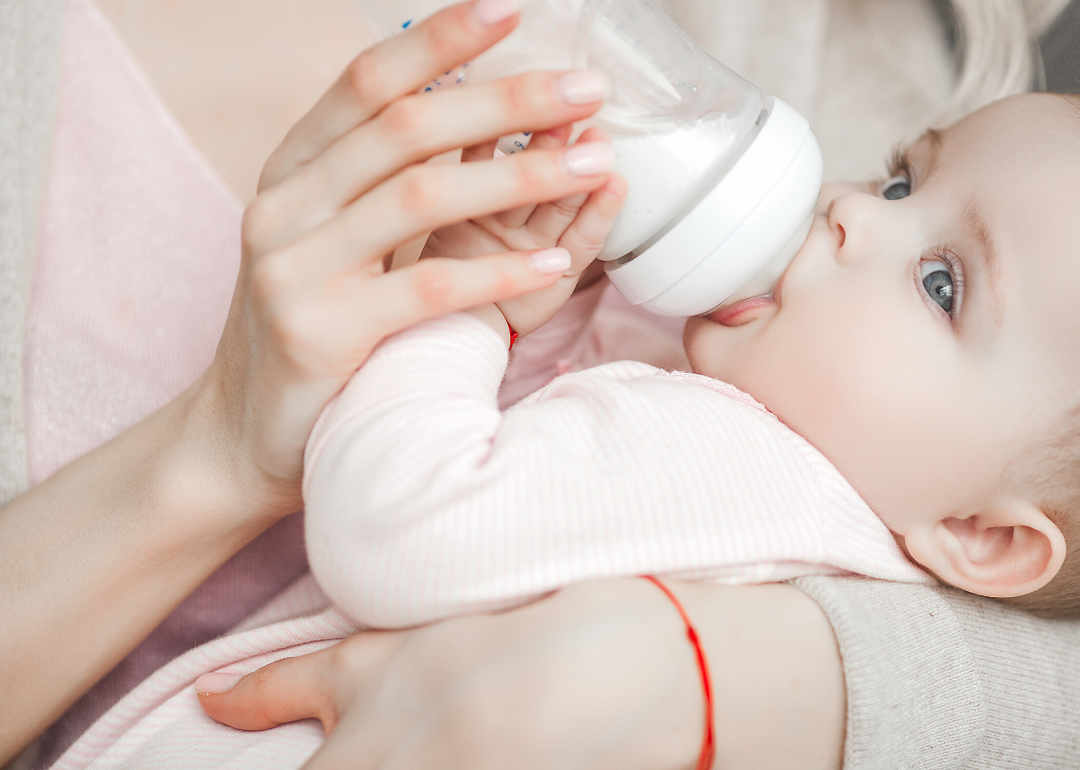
(907, 394)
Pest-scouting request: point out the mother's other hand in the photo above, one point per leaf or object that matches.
(599, 675)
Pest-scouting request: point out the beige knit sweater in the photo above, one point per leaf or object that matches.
(935, 679)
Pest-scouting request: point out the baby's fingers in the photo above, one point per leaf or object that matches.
(585, 236)
(549, 221)
(552, 139)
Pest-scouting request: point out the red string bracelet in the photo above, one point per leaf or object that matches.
(708, 744)
(513, 336)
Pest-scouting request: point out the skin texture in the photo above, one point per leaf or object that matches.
(929, 413)
(600, 675)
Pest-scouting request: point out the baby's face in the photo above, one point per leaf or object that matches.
(929, 329)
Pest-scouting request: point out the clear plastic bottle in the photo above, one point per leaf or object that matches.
(723, 180)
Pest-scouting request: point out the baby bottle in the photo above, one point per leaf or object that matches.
(722, 180)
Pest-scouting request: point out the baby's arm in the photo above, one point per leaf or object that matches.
(425, 501)
(404, 471)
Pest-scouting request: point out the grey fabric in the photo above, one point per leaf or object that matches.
(942, 680)
(29, 77)
(1061, 53)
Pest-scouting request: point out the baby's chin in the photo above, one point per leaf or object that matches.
(713, 348)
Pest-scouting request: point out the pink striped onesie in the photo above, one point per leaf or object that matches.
(424, 500)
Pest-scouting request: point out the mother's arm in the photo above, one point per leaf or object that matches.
(836, 671)
(93, 558)
(599, 675)
(97, 555)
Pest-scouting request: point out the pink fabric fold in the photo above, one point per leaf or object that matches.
(138, 253)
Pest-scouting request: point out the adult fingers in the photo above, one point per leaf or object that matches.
(551, 139)
(283, 691)
(327, 332)
(319, 685)
(416, 127)
(397, 66)
(427, 197)
(434, 287)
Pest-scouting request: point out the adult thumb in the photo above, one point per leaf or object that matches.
(286, 690)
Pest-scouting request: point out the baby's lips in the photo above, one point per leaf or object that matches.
(742, 312)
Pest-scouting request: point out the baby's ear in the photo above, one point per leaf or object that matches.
(1010, 548)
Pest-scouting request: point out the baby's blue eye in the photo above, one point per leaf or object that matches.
(937, 279)
(895, 188)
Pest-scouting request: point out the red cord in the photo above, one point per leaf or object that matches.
(513, 336)
(708, 745)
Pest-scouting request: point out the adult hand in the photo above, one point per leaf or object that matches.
(579, 224)
(599, 675)
(347, 186)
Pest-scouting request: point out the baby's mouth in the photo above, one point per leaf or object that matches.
(742, 312)
(750, 309)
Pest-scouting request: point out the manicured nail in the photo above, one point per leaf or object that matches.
(589, 158)
(216, 683)
(555, 260)
(583, 86)
(489, 12)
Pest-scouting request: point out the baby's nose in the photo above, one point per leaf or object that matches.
(852, 219)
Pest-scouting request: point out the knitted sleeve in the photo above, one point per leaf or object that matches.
(942, 680)
(29, 77)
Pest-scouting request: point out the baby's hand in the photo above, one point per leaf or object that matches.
(578, 224)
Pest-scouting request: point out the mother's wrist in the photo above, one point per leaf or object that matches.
(211, 464)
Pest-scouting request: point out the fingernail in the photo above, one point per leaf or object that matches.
(583, 86)
(216, 683)
(589, 158)
(489, 12)
(547, 261)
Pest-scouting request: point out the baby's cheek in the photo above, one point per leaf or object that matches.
(840, 391)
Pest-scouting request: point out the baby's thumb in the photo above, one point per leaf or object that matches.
(283, 691)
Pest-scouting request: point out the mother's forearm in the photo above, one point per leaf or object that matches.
(778, 681)
(93, 558)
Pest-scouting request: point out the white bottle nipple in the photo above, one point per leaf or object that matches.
(739, 238)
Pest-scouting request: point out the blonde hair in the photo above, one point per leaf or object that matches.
(997, 43)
